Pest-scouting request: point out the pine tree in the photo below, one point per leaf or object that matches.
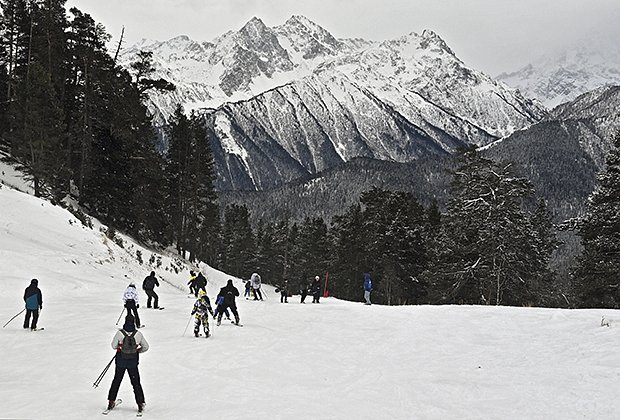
(491, 251)
(596, 277)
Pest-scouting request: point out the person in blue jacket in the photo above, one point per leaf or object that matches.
(34, 303)
(367, 288)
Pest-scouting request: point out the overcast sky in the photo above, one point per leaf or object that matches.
(489, 35)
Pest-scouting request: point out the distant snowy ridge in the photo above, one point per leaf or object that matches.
(293, 100)
(556, 79)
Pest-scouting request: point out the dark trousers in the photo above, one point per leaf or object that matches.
(223, 308)
(304, 293)
(131, 307)
(315, 297)
(284, 297)
(35, 318)
(134, 377)
(152, 295)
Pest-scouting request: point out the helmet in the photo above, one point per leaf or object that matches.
(317, 278)
(132, 284)
(202, 293)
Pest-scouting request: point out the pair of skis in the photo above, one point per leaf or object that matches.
(116, 404)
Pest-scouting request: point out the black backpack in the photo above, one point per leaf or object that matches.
(129, 348)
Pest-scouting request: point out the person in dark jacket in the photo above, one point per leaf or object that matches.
(192, 284)
(316, 289)
(304, 290)
(34, 303)
(229, 292)
(129, 364)
(201, 283)
(283, 292)
(367, 288)
(148, 285)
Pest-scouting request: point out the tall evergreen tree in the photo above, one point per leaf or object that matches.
(596, 277)
(491, 252)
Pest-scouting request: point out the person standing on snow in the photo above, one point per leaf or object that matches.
(128, 360)
(193, 289)
(34, 303)
(316, 289)
(201, 282)
(202, 309)
(304, 290)
(148, 285)
(248, 289)
(283, 292)
(367, 288)
(220, 301)
(130, 298)
(256, 281)
(229, 292)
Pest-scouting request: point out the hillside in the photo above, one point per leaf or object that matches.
(335, 360)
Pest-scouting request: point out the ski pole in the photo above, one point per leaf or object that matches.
(119, 317)
(105, 370)
(184, 331)
(14, 317)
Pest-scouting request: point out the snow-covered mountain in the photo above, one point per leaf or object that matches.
(292, 100)
(555, 79)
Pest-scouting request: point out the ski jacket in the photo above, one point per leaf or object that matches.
(149, 283)
(202, 307)
(255, 279)
(117, 343)
(229, 292)
(316, 287)
(130, 294)
(201, 281)
(33, 298)
(367, 282)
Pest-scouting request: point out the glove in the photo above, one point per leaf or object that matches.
(137, 306)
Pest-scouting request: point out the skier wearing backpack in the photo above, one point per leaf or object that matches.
(34, 303)
(148, 285)
(130, 298)
(128, 343)
(202, 309)
(229, 292)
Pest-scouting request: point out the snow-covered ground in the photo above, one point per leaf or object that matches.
(336, 360)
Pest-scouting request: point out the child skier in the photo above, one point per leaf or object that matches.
(219, 304)
(202, 309)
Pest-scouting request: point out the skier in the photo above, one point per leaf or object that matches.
(201, 282)
(316, 289)
(192, 284)
(130, 298)
(304, 291)
(283, 292)
(256, 280)
(34, 303)
(248, 288)
(148, 285)
(229, 292)
(219, 301)
(367, 288)
(202, 309)
(127, 360)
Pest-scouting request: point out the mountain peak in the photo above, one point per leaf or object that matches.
(254, 27)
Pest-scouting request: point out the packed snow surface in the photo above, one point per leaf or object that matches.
(333, 360)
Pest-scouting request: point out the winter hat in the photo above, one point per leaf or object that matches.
(229, 282)
(34, 281)
(153, 273)
(132, 284)
(130, 323)
(317, 278)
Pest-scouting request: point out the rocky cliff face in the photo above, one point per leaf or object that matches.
(293, 100)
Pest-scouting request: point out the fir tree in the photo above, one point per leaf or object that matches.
(596, 277)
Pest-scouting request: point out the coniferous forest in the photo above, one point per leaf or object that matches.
(75, 122)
